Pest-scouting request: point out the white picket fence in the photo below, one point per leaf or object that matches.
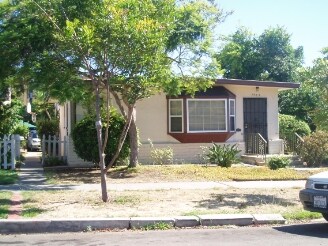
(9, 151)
(54, 147)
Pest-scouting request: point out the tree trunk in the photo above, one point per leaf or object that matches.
(103, 177)
(133, 135)
(103, 169)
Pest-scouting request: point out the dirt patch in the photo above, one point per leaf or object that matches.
(87, 204)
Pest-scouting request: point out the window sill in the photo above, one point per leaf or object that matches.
(206, 137)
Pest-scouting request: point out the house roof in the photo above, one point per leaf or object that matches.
(216, 91)
(280, 85)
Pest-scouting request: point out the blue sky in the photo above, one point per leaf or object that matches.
(305, 20)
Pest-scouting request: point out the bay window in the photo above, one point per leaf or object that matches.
(207, 115)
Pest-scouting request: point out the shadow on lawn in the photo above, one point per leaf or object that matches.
(248, 200)
(5, 203)
(87, 175)
(27, 211)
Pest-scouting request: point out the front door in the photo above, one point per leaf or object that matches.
(255, 121)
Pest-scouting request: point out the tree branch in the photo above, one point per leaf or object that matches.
(122, 137)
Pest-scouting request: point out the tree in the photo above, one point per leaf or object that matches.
(269, 56)
(319, 78)
(239, 57)
(301, 102)
(309, 102)
(125, 48)
(10, 117)
(278, 57)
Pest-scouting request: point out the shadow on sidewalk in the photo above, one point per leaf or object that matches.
(32, 172)
(32, 177)
(33, 160)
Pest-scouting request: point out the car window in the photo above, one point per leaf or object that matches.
(34, 135)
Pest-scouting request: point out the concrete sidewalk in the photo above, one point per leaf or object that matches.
(156, 186)
(31, 177)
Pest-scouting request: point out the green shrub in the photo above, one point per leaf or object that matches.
(21, 130)
(85, 141)
(278, 162)
(289, 125)
(223, 156)
(160, 156)
(47, 127)
(315, 148)
(51, 161)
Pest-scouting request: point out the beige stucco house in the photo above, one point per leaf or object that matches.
(228, 113)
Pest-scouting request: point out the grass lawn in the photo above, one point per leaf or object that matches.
(8, 177)
(30, 204)
(167, 173)
(4, 203)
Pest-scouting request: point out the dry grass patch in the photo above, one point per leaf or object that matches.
(87, 204)
(169, 173)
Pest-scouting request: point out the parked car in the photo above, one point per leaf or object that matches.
(315, 195)
(33, 141)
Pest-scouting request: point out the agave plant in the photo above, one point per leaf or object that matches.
(223, 155)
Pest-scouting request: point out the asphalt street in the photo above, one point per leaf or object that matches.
(300, 234)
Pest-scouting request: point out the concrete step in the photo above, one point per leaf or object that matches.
(253, 159)
(259, 161)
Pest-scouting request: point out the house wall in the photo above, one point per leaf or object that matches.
(152, 123)
(271, 93)
(272, 103)
(182, 152)
(72, 159)
(151, 120)
(71, 113)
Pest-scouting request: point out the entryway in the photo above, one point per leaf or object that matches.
(255, 125)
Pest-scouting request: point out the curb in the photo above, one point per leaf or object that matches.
(76, 225)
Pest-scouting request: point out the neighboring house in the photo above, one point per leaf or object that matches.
(231, 112)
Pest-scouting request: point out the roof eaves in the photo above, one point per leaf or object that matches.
(286, 85)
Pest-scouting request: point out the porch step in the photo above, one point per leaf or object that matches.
(253, 159)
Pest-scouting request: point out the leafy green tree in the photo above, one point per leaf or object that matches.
(10, 117)
(319, 74)
(309, 102)
(239, 57)
(278, 57)
(301, 102)
(127, 49)
(269, 56)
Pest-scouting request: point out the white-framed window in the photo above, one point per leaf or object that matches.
(232, 115)
(207, 115)
(176, 115)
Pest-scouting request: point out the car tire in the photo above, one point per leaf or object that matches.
(325, 215)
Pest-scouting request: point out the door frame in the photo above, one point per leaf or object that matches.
(255, 116)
